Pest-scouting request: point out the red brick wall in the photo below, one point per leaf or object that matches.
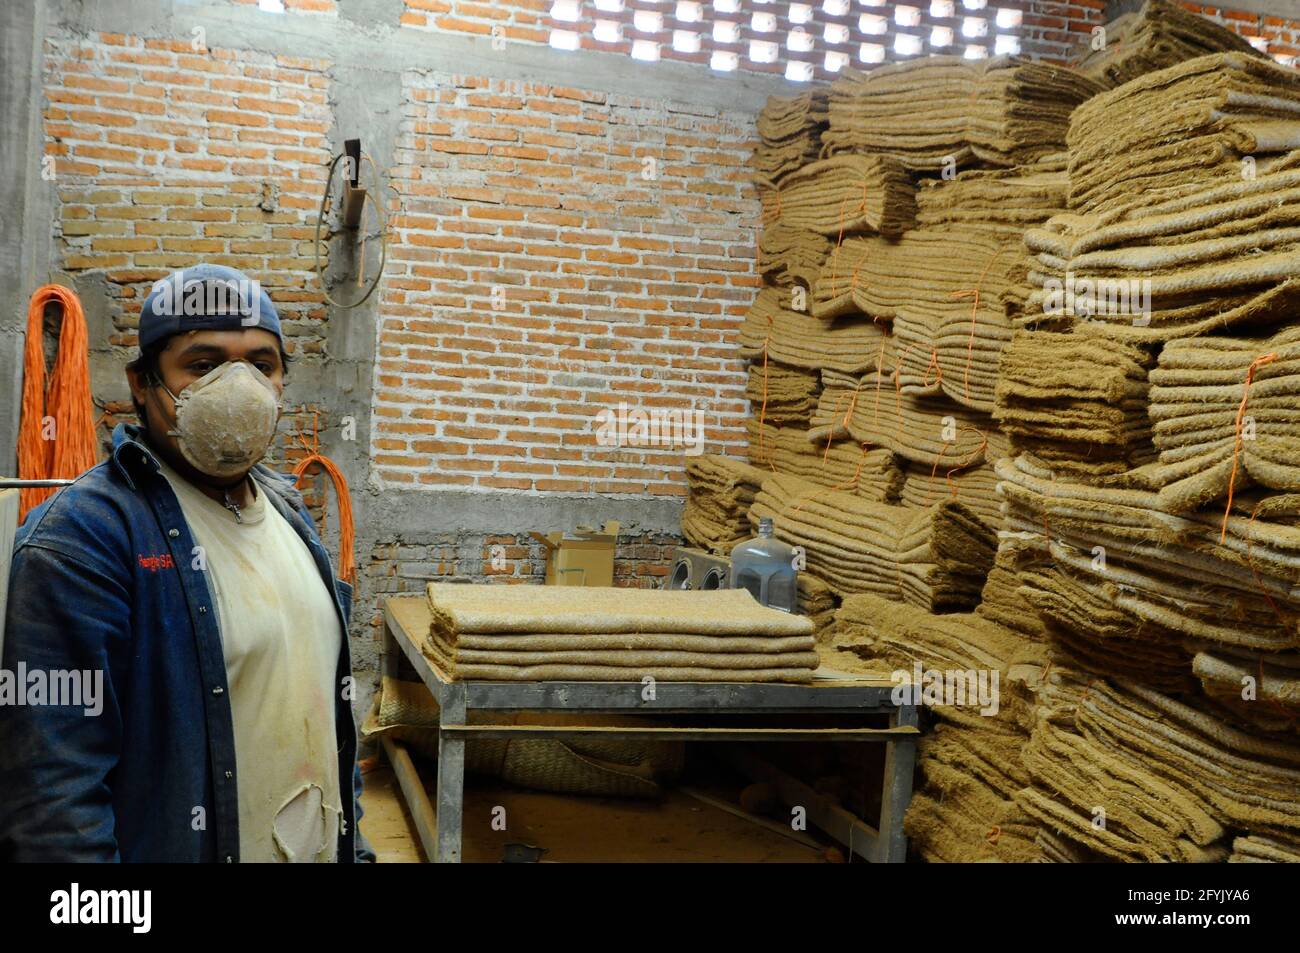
(1283, 35)
(537, 276)
(163, 156)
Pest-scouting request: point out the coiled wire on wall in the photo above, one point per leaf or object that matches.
(383, 233)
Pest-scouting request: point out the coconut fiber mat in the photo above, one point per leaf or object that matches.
(1227, 581)
(1220, 256)
(1181, 129)
(783, 395)
(1226, 415)
(1076, 401)
(845, 194)
(1170, 778)
(836, 464)
(790, 129)
(575, 633)
(721, 490)
(934, 558)
(970, 763)
(937, 110)
(789, 256)
(1159, 35)
(773, 329)
(930, 431)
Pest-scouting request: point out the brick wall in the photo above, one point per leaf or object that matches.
(558, 251)
(1053, 30)
(162, 155)
(1282, 35)
(405, 565)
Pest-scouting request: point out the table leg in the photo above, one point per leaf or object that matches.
(451, 776)
(900, 760)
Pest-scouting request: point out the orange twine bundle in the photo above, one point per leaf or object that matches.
(1236, 445)
(347, 530)
(56, 434)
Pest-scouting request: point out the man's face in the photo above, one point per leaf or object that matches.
(185, 359)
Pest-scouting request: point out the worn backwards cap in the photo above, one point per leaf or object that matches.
(205, 298)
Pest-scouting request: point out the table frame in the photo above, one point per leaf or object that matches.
(456, 699)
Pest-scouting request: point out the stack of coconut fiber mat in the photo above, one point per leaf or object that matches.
(1077, 401)
(970, 762)
(1159, 35)
(1182, 129)
(939, 110)
(838, 464)
(1226, 415)
(1227, 579)
(936, 558)
(1275, 702)
(1222, 256)
(790, 128)
(818, 602)
(930, 431)
(789, 256)
(574, 633)
(846, 194)
(783, 395)
(1132, 774)
(1258, 849)
(772, 329)
(715, 517)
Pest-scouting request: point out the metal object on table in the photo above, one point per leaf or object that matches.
(697, 569)
(12, 483)
(406, 620)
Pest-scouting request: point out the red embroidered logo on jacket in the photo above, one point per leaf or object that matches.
(154, 563)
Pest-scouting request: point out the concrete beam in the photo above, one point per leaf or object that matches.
(380, 45)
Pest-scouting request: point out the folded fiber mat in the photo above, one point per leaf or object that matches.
(1226, 415)
(1158, 35)
(1230, 581)
(843, 195)
(1169, 778)
(850, 344)
(931, 431)
(721, 490)
(937, 110)
(1076, 401)
(789, 256)
(935, 558)
(571, 633)
(790, 129)
(1181, 128)
(1220, 255)
(782, 395)
(838, 464)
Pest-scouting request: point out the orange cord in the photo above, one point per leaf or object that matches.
(64, 398)
(974, 293)
(347, 532)
(1236, 446)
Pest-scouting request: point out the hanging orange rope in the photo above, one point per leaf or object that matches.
(347, 530)
(1236, 445)
(56, 434)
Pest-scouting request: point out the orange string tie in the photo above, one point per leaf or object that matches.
(762, 412)
(952, 486)
(347, 529)
(974, 295)
(67, 449)
(994, 835)
(1236, 446)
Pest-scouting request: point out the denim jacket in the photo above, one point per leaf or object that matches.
(103, 578)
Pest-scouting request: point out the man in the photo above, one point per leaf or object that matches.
(191, 578)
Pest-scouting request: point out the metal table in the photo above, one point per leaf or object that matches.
(406, 620)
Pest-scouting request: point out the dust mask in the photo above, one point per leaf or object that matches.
(226, 419)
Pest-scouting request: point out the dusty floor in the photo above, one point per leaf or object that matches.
(577, 829)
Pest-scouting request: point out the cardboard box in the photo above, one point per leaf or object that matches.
(585, 558)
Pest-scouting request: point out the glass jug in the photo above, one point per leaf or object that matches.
(765, 566)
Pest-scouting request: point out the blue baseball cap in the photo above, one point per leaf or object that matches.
(205, 298)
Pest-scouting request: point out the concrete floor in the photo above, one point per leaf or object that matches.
(680, 829)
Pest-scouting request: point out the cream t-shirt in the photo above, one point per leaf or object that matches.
(281, 639)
